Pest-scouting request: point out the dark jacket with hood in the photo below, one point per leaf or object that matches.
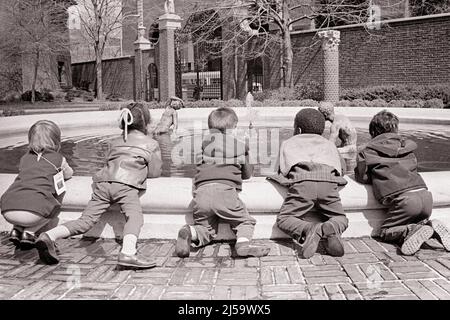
(389, 164)
(223, 159)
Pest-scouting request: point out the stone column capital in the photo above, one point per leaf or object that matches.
(330, 39)
(169, 21)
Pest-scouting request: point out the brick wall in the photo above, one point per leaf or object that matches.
(118, 77)
(414, 51)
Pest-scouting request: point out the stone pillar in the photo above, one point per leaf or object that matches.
(140, 45)
(168, 23)
(330, 45)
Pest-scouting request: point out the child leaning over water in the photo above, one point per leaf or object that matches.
(34, 199)
(311, 167)
(388, 163)
(132, 159)
(222, 165)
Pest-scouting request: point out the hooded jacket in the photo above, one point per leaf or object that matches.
(223, 159)
(388, 163)
(131, 162)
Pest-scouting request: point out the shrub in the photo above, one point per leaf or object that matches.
(283, 93)
(434, 103)
(47, 96)
(399, 92)
(110, 107)
(289, 103)
(343, 104)
(261, 95)
(378, 103)
(69, 96)
(113, 97)
(10, 112)
(308, 103)
(397, 104)
(88, 96)
(26, 96)
(233, 103)
(309, 90)
(414, 103)
(11, 97)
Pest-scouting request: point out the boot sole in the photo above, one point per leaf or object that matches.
(253, 252)
(133, 266)
(311, 243)
(443, 233)
(413, 244)
(332, 237)
(44, 253)
(15, 242)
(183, 246)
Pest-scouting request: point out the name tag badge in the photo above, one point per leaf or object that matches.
(60, 185)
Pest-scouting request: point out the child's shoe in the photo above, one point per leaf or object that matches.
(15, 236)
(183, 246)
(417, 235)
(312, 240)
(245, 249)
(46, 249)
(134, 261)
(27, 241)
(443, 234)
(334, 245)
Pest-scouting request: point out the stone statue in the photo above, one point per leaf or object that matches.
(342, 128)
(169, 6)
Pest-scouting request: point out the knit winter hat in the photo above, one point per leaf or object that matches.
(309, 120)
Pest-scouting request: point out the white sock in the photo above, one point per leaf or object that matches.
(58, 233)
(129, 244)
(241, 239)
(193, 233)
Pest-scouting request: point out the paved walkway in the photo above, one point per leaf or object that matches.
(369, 270)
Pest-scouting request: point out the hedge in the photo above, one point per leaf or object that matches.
(400, 92)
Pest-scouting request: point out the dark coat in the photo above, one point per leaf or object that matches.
(33, 189)
(388, 163)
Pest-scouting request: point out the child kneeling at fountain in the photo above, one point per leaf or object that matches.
(222, 165)
(311, 167)
(132, 159)
(388, 163)
(33, 201)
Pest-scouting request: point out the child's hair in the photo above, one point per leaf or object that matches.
(309, 120)
(44, 135)
(175, 103)
(383, 122)
(222, 118)
(327, 109)
(140, 118)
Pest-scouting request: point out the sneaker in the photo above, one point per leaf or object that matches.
(136, 262)
(15, 236)
(183, 246)
(312, 240)
(245, 249)
(442, 232)
(334, 245)
(46, 249)
(417, 235)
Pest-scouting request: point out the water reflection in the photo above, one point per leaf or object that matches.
(86, 154)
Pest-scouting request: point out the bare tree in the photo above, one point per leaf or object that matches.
(100, 20)
(36, 29)
(255, 28)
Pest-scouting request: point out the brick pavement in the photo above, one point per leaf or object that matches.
(369, 270)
